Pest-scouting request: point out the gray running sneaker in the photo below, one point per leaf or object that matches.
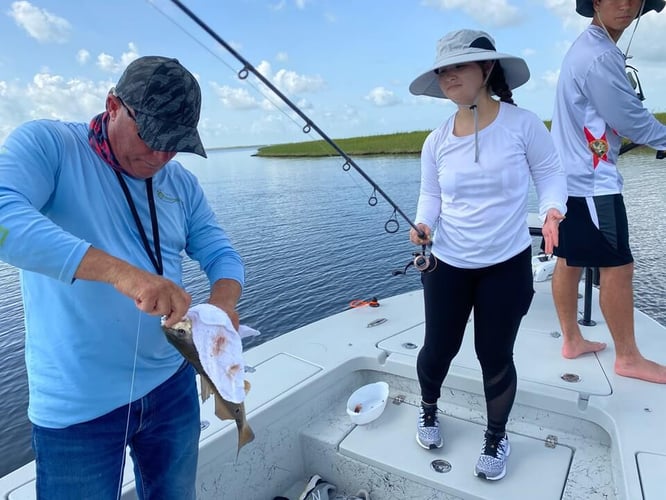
(427, 429)
(492, 462)
(318, 489)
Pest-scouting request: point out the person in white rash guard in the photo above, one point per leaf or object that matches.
(595, 107)
(472, 207)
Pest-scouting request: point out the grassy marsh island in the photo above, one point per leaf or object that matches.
(387, 144)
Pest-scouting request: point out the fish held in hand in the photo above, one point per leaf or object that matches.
(206, 338)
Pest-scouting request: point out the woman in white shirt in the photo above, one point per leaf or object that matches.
(472, 208)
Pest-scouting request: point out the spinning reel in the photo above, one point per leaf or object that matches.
(422, 261)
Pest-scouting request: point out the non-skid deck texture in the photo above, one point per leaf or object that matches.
(533, 470)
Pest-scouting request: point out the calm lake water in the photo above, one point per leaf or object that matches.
(311, 244)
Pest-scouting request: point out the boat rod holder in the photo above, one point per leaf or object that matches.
(591, 278)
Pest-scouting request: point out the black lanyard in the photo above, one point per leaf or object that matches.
(155, 258)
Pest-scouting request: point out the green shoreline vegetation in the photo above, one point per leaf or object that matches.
(403, 143)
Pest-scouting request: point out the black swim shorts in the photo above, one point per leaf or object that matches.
(595, 232)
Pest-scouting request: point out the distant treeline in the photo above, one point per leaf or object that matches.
(388, 144)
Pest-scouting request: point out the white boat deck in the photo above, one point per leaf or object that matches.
(598, 437)
(461, 450)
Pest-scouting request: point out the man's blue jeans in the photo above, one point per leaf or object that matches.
(85, 461)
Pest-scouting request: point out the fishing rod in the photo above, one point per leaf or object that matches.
(632, 145)
(422, 260)
(628, 147)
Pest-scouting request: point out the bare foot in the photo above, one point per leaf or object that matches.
(642, 369)
(575, 348)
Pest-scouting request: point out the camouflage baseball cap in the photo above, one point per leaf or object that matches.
(166, 100)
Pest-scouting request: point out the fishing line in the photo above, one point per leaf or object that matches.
(129, 407)
(631, 38)
(309, 124)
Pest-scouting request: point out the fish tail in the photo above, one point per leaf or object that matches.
(206, 388)
(245, 434)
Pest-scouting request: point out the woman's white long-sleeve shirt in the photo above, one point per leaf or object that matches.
(479, 210)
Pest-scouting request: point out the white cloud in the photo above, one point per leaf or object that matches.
(235, 98)
(282, 56)
(40, 23)
(293, 83)
(381, 96)
(487, 12)
(105, 62)
(287, 82)
(53, 96)
(109, 63)
(264, 68)
(82, 56)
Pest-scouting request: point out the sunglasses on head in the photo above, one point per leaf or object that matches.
(632, 75)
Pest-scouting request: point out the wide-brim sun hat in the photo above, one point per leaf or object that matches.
(464, 46)
(586, 7)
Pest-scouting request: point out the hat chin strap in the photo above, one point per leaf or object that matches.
(631, 38)
(475, 112)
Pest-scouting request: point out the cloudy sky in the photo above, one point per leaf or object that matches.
(346, 63)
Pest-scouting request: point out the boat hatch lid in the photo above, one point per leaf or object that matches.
(269, 379)
(651, 467)
(534, 469)
(274, 376)
(537, 355)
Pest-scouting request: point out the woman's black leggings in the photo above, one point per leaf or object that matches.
(500, 296)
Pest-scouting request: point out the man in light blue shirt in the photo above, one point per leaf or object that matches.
(97, 217)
